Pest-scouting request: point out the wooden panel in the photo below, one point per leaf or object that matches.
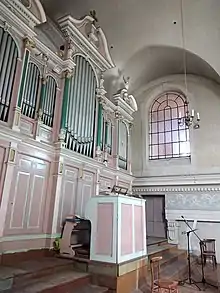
(19, 200)
(105, 183)
(126, 234)
(2, 169)
(138, 228)
(86, 189)
(37, 201)
(67, 204)
(27, 196)
(104, 229)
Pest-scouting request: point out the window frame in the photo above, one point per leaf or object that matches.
(168, 138)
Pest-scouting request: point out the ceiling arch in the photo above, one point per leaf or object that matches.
(146, 38)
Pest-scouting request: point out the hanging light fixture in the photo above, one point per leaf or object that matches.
(193, 118)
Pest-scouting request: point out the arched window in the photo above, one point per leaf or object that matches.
(168, 138)
(8, 62)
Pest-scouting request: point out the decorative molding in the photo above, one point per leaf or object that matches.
(196, 201)
(75, 31)
(24, 13)
(191, 215)
(177, 181)
(7, 15)
(54, 62)
(175, 189)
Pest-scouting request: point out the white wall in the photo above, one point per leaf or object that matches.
(204, 97)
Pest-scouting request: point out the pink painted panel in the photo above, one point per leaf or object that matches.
(67, 200)
(28, 194)
(37, 200)
(138, 226)
(126, 229)
(2, 169)
(104, 239)
(20, 200)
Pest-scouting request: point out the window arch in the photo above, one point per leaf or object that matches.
(167, 137)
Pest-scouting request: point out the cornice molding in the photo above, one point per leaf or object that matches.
(20, 28)
(178, 180)
(182, 189)
(23, 13)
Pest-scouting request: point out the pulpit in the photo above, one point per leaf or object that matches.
(118, 232)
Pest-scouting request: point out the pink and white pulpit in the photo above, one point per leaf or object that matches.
(118, 230)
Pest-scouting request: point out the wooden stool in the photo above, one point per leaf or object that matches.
(157, 284)
(207, 247)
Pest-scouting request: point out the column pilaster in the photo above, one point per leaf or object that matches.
(63, 121)
(57, 179)
(10, 166)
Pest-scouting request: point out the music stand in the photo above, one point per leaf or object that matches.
(189, 279)
(119, 190)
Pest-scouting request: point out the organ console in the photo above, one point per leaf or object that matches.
(75, 238)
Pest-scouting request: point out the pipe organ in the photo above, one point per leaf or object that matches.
(81, 108)
(48, 100)
(72, 84)
(31, 90)
(8, 62)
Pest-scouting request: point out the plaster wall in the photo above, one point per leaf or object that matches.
(203, 96)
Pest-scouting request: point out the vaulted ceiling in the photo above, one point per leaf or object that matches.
(145, 36)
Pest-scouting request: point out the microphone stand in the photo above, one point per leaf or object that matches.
(191, 281)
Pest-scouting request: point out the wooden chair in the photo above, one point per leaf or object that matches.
(207, 247)
(158, 284)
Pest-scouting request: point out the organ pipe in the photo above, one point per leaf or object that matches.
(65, 102)
(31, 91)
(8, 62)
(47, 100)
(24, 75)
(81, 108)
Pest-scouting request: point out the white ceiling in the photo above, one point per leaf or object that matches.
(147, 44)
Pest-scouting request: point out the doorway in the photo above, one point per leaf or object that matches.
(156, 224)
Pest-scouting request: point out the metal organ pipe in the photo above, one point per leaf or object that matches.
(81, 108)
(77, 96)
(85, 97)
(81, 104)
(73, 106)
(31, 90)
(87, 128)
(49, 101)
(4, 84)
(92, 117)
(8, 61)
